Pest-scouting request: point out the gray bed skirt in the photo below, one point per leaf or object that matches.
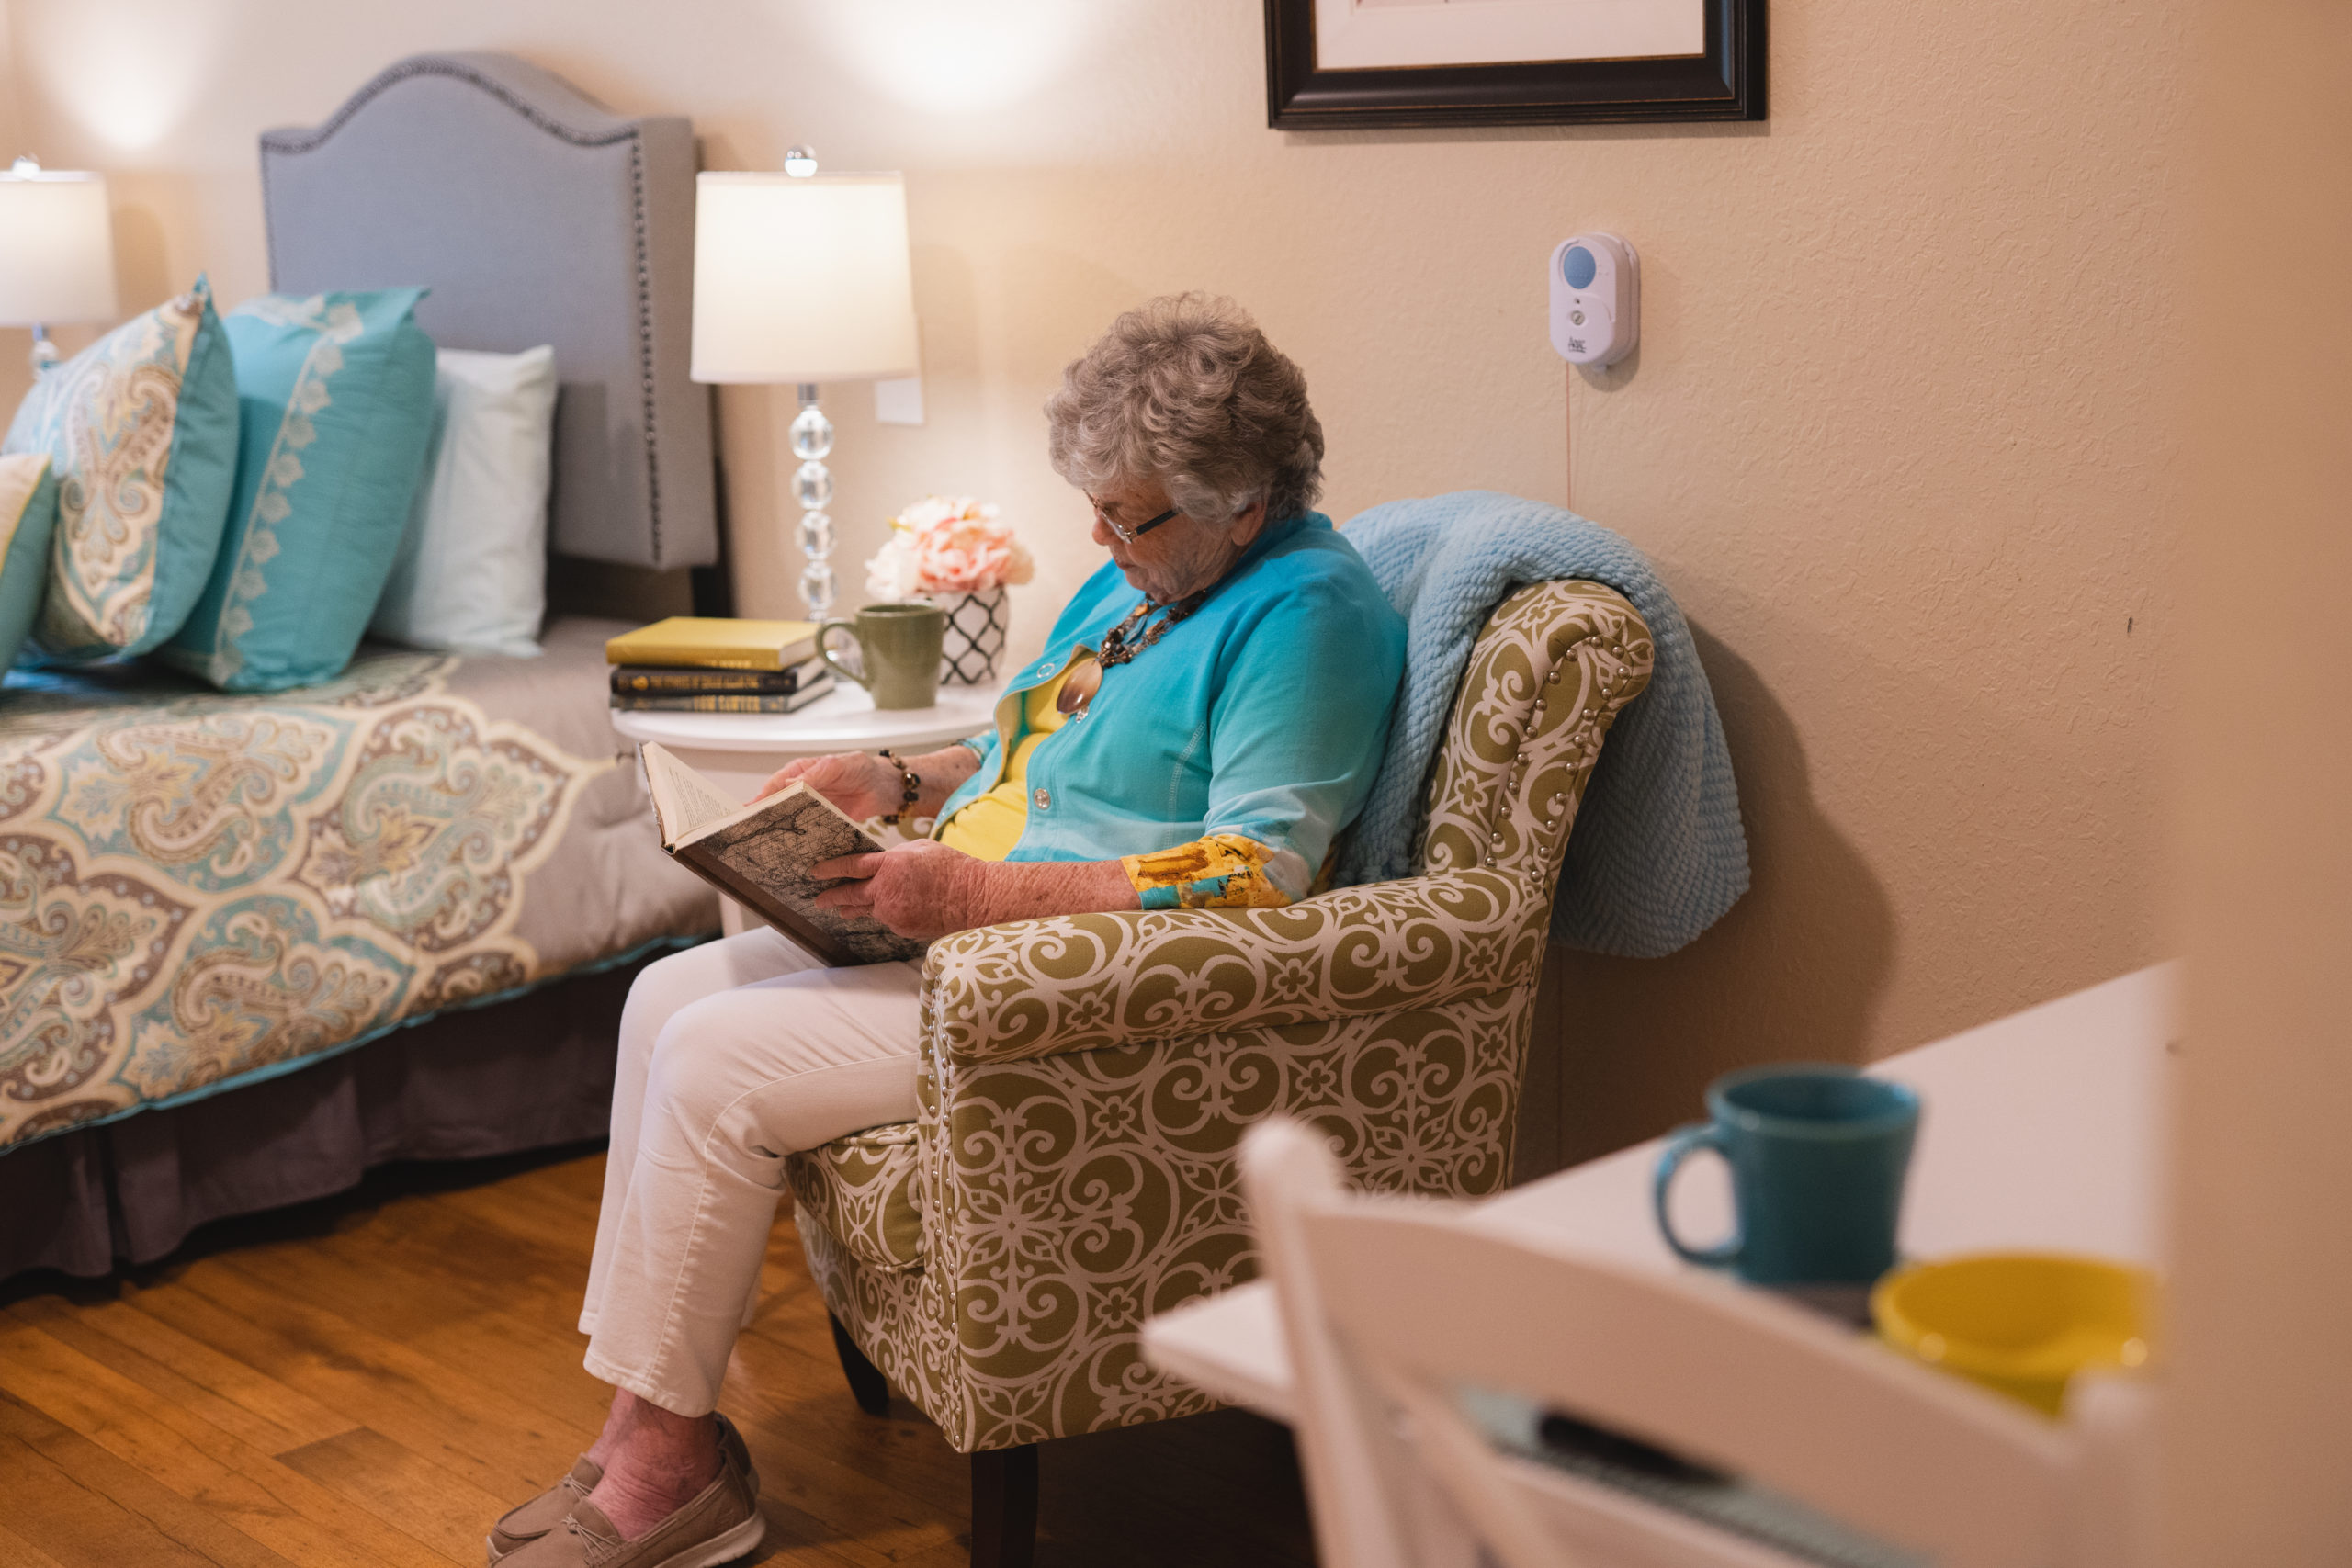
(525, 1074)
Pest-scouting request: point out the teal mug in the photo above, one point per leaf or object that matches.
(1819, 1154)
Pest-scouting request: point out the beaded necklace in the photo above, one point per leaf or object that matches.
(1117, 649)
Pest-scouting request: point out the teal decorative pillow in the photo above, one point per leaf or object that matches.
(141, 430)
(28, 517)
(337, 392)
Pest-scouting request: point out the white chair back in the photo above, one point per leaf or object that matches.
(1392, 1306)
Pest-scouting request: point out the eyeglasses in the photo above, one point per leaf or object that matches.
(1129, 534)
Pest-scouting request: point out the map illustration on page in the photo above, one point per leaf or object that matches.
(760, 855)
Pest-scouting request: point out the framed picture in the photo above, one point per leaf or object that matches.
(1351, 63)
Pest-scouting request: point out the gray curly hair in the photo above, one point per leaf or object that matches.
(1185, 390)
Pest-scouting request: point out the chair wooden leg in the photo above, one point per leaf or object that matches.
(1004, 1507)
(866, 1384)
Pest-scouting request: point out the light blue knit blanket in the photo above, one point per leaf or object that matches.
(1656, 856)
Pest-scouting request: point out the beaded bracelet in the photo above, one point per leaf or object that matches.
(913, 787)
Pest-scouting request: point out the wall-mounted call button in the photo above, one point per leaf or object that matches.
(1595, 299)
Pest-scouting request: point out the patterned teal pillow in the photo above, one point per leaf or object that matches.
(28, 517)
(337, 392)
(141, 429)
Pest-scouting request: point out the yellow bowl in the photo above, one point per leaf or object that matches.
(2021, 1323)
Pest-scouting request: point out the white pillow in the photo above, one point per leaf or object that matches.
(472, 573)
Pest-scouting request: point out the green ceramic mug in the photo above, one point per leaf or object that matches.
(898, 645)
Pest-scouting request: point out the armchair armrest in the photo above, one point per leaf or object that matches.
(1082, 982)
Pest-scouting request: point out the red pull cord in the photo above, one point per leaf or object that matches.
(1567, 430)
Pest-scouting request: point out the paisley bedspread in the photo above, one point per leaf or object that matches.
(200, 890)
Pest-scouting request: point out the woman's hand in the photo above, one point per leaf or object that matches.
(859, 784)
(925, 889)
(921, 889)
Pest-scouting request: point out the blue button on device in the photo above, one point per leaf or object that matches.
(1578, 268)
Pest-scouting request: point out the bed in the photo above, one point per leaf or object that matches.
(252, 945)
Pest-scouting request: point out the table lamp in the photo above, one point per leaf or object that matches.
(56, 253)
(803, 277)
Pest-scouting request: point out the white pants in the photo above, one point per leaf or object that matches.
(733, 1054)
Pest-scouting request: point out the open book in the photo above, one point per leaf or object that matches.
(760, 855)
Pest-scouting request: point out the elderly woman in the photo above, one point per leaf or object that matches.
(1207, 718)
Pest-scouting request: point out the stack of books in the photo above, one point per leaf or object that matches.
(697, 664)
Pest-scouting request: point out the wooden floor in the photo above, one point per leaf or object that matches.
(369, 1381)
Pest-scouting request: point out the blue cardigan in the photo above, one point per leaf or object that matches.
(1262, 716)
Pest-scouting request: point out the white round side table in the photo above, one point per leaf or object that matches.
(736, 751)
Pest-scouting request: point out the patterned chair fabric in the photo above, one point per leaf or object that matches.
(863, 1190)
(1085, 1079)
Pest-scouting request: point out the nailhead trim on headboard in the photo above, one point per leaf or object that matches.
(311, 141)
(645, 337)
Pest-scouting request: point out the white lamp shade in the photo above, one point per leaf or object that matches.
(802, 279)
(56, 249)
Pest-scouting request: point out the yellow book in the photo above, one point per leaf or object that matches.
(710, 643)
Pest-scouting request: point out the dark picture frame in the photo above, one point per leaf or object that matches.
(1724, 81)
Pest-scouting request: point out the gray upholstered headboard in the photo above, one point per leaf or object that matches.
(536, 217)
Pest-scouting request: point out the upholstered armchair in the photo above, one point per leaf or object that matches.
(1086, 1081)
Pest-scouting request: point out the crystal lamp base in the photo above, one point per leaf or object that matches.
(812, 488)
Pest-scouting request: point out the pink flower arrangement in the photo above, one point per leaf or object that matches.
(947, 546)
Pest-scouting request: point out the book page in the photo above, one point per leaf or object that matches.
(683, 799)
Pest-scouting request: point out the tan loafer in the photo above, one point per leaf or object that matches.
(521, 1526)
(719, 1524)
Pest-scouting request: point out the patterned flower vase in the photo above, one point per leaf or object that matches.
(976, 628)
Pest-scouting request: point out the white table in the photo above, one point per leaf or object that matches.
(739, 750)
(2045, 1130)
(736, 751)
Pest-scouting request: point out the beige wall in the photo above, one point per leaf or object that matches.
(2261, 1421)
(1893, 434)
(11, 92)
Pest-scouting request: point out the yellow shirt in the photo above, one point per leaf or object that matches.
(990, 825)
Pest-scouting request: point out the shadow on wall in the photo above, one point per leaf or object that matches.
(1625, 1047)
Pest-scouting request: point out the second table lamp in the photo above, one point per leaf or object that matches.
(803, 277)
(56, 253)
